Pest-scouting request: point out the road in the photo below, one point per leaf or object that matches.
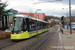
(46, 41)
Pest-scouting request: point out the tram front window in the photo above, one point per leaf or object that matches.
(17, 24)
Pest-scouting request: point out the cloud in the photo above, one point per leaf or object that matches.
(63, 1)
(52, 8)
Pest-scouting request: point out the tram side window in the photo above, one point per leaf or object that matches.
(43, 26)
(39, 25)
(46, 25)
(32, 26)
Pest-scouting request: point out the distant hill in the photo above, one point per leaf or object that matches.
(52, 17)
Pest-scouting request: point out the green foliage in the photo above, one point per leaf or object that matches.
(52, 17)
(2, 9)
(46, 19)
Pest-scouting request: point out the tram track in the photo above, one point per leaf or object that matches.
(43, 44)
(1, 41)
(37, 45)
(6, 43)
(35, 42)
(32, 46)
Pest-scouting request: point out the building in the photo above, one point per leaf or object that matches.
(6, 19)
(38, 15)
(67, 19)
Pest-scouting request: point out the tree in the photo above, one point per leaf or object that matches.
(46, 19)
(3, 15)
(2, 9)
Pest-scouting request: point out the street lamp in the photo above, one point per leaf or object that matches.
(73, 11)
(36, 17)
(66, 16)
(66, 11)
(31, 12)
(36, 12)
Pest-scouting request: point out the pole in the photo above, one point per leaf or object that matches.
(36, 21)
(31, 12)
(70, 15)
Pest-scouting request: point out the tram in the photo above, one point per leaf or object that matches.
(24, 27)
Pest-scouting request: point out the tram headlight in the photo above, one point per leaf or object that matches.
(14, 33)
(21, 31)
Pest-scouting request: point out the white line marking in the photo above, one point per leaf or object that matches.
(59, 36)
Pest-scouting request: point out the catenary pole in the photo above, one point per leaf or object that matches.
(70, 15)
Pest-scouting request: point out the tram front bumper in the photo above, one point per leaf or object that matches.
(23, 35)
(16, 36)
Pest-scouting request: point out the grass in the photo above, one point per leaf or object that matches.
(4, 35)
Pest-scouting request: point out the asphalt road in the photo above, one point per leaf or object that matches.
(49, 44)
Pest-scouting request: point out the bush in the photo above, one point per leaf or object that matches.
(4, 35)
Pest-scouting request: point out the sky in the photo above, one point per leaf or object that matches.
(49, 8)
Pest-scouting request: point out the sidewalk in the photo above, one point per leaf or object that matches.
(69, 40)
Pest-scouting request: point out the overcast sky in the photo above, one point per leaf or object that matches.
(49, 8)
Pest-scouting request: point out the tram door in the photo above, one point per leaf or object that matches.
(31, 24)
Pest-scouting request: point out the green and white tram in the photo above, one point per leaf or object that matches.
(25, 27)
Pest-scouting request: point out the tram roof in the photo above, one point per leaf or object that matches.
(26, 16)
